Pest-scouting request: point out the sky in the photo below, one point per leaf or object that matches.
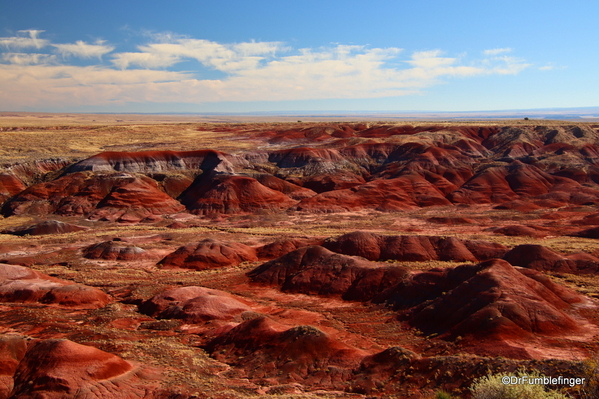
(294, 56)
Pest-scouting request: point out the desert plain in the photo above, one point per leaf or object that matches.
(190, 257)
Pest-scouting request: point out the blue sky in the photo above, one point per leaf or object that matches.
(248, 56)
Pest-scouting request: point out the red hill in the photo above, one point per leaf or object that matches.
(194, 305)
(232, 194)
(96, 196)
(209, 254)
(263, 348)
(20, 284)
(316, 270)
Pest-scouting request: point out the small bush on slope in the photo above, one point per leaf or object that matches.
(492, 387)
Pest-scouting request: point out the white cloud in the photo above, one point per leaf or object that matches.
(254, 71)
(508, 65)
(223, 57)
(21, 42)
(83, 49)
(497, 51)
(28, 58)
(551, 67)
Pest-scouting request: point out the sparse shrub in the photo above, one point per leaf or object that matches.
(492, 387)
(590, 390)
(443, 395)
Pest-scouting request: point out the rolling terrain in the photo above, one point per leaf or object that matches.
(294, 260)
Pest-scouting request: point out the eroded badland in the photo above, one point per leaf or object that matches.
(167, 259)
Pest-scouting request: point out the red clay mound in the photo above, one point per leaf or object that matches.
(23, 285)
(588, 233)
(533, 256)
(499, 305)
(519, 230)
(316, 270)
(12, 350)
(172, 184)
(307, 134)
(209, 254)
(518, 181)
(232, 194)
(262, 348)
(538, 257)
(113, 250)
(10, 185)
(303, 156)
(403, 193)
(47, 227)
(333, 181)
(110, 196)
(412, 248)
(59, 368)
(293, 191)
(194, 305)
(283, 247)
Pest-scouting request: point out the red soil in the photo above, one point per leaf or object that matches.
(413, 248)
(23, 285)
(209, 254)
(232, 194)
(194, 305)
(113, 250)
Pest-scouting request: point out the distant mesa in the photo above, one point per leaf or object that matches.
(155, 161)
(20, 284)
(113, 250)
(194, 304)
(209, 254)
(46, 227)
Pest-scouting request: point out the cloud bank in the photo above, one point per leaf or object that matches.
(250, 71)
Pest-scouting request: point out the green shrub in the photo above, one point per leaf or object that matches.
(492, 387)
